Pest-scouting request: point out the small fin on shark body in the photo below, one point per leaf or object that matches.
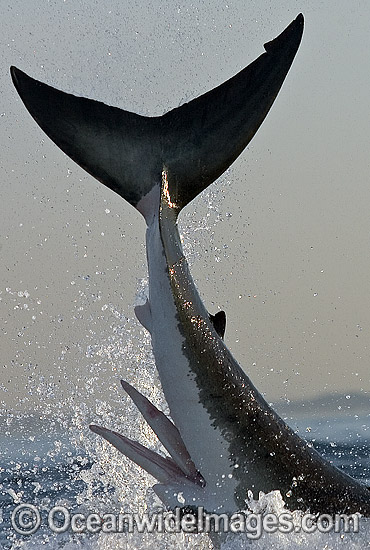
(166, 432)
(144, 315)
(195, 142)
(218, 321)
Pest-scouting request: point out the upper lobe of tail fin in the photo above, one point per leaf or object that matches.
(195, 143)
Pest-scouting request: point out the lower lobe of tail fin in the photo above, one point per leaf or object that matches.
(111, 144)
(195, 143)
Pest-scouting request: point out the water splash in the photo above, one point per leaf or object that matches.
(68, 465)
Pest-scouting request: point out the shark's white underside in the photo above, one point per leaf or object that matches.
(205, 442)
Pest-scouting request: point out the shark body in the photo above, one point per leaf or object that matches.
(224, 439)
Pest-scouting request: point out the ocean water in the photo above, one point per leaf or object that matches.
(66, 466)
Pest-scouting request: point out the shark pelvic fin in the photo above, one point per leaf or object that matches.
(195, 142)
(144, 315)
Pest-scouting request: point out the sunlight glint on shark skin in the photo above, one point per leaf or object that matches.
(224, 438)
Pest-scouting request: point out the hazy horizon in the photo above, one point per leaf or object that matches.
(281, 242)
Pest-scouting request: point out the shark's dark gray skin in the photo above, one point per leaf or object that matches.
(224, 439)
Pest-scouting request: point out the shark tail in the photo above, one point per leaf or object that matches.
(194, 143)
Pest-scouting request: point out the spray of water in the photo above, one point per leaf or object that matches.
(101, 480)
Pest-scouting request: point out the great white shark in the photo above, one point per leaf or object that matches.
(223, 439)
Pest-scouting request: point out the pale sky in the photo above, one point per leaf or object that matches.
(284, 245)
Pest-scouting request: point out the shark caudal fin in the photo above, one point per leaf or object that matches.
(194, 143)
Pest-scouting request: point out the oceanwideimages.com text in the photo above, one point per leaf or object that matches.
(26, 519)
